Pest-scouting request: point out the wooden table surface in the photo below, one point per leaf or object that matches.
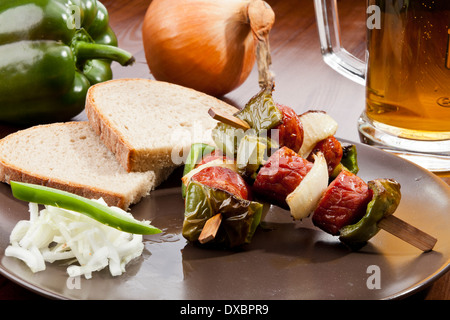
(303, 80)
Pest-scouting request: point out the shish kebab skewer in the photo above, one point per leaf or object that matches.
(389, 223)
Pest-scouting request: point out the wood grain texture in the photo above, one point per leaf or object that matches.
(228, 119)
(303, 80)
(408, 233)
(210, 229)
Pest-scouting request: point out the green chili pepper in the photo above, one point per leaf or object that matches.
(51, 51)
(260, 113)
(240, 218)
(196, 153)
(385, 200)
(65, 200)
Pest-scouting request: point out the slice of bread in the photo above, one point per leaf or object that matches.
(71, 157)
(150, 124)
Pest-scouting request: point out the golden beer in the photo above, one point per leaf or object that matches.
(408, 73)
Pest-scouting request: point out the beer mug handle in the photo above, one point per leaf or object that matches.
(331, 46)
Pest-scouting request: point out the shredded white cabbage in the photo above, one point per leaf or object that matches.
(57, 234)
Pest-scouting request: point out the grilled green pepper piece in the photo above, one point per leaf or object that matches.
(196, 153)
(240, 218)
(350, 158)
(260, 113)
(51, 51)
(252, 153)
(65, 200)
(348, 162)
(385, 200)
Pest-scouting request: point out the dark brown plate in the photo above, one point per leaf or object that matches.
(285, 260)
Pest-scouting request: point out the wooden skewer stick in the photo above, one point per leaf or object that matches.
(210, 229)
(228, 119)
(408, 233)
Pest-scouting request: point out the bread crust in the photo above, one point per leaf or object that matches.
(9, 171)
(131, 159)
(123, 152)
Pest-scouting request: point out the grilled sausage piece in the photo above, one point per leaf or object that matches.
(343, 203)
(291, 130)
(216, 154)
(280, 175)
(332, 151)
(224, 179)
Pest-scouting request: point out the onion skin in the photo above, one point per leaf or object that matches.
(204, 45)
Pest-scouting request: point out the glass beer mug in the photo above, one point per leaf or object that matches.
(406, 75)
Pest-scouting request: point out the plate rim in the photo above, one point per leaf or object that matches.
(407, 292)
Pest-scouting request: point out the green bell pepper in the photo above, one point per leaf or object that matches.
(251, 155)
(260, 113)
(385, 200)
(240, 217)
(348, 162)
(196, 153)
(95, 210)
(51, 52)
(350, 158)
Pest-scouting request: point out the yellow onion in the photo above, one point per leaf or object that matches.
(207, 45)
